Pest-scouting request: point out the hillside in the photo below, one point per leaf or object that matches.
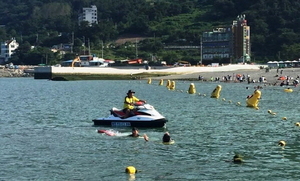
(133, 38)
(274, 26)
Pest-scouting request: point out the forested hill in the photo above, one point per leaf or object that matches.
(274, 24)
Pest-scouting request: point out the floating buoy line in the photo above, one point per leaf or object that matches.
(252, 100)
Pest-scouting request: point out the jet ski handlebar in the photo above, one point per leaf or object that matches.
(139, 103)
(142, 105)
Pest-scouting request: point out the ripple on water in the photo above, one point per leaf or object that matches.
(47, 132)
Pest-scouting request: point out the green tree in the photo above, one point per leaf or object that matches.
(290, 52)
(170, 57)
(3, 35)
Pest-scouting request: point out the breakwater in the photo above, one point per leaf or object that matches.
(86, 73)
(6, 72)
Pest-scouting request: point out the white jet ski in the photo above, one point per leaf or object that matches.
(144, 116)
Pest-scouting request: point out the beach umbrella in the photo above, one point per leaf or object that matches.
(282, 78)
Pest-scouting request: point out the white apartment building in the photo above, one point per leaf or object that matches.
(89, 15)
(7, 49)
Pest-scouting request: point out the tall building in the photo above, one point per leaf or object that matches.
(7, 49)
(227, 45)
(89, 15)
(217, 46)
(241, 39)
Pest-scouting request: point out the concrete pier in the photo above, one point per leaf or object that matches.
(42, 72)
(48, 72)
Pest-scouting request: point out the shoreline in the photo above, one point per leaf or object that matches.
(270, 77)
(133, 72)
(172, 73)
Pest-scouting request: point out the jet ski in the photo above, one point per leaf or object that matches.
(145, 115)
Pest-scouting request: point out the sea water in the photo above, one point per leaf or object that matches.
(47, 132)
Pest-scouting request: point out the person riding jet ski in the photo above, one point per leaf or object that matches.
(129, 101)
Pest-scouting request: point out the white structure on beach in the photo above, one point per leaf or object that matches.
(283, 64)
(89, 15)
(7, 49)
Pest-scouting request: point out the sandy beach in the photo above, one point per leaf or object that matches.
(208, 73)
(192, 73)
(189, 73)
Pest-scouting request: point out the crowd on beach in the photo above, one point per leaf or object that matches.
(282, 77)
(234, 78)
(229, 78)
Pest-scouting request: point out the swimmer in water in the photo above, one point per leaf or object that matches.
(167, 137)
(135, 133)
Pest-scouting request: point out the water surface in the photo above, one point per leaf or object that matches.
(47, 132)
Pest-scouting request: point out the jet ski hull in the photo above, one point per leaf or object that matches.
(130, 123)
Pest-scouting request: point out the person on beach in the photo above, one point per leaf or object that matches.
(129, 101)
(248, 79)
(295, 82)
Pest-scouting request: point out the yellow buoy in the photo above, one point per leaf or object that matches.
(168, 84)
(130, 170)
(253, 100)
(238, 103)
(297, 124)
(288, 90)
(149, 81)
(284, 118)
(281, 143)
(272, 113)
(223, 99)
(216, 92)
(172, 86)
(192, 89)
(161, 82)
